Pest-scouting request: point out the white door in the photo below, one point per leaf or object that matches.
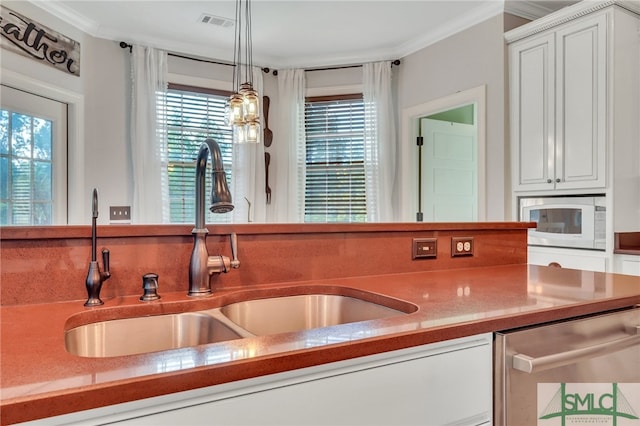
(450, 178)
(33, 159)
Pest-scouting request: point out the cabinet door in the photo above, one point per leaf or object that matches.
(627, 264)
(532, 112)
(568, 258)
(452, 386)
(581, 125)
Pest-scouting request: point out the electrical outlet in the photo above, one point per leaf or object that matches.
(462, 246)
(120, 214)
(424, 248)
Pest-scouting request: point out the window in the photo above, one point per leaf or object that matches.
(335, 176)
(190, 116)
(33, 159)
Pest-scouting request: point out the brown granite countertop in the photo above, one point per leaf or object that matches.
(39, 378)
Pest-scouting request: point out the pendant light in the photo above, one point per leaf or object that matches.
(243, 108)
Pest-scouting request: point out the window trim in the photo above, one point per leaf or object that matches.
(329, 98)
(197, 89)
(40, 108)
(77, 209)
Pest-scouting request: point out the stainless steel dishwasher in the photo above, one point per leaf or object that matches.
(580, 371)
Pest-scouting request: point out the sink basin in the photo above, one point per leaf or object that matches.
(146, 334)
(237, 320)
(301, 312)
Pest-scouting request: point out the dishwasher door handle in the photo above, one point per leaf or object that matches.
(531, 365)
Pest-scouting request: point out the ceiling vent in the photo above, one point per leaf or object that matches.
(219, 21)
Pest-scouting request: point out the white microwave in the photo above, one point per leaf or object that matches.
(573, 222)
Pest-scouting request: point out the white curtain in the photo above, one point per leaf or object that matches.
(287, 171)
(248, 173)
(148, 140)
(379, 140)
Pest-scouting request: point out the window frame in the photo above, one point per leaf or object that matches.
(41, 107)
(77, 194)
(360, 215)
(189, 184)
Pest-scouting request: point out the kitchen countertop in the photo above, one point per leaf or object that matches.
(39, 378)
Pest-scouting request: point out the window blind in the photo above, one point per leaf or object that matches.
(335, 178)
(191, 115)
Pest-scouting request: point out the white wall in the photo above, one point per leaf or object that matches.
(107, 104)
(103, 89)
(469, 59)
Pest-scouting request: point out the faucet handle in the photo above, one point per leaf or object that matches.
(235, 263)
(105, 264)
(95, 278)
(218, 264)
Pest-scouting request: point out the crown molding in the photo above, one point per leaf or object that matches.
(68, 15)
(526, 10)
(567, 14)
(454, 26)
(94, 29)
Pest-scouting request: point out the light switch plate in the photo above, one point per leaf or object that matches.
(425, 248)
(120, 214)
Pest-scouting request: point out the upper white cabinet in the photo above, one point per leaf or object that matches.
(566, 98)
(533, 112)
(558, 105)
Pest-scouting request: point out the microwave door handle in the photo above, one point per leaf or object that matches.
(531, 365)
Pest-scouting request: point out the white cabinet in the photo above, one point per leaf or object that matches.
(442, 383)
(568, 258)
(574, 91)
(626, 264)
(558, 92)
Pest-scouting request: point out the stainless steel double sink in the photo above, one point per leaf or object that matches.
(242, 319)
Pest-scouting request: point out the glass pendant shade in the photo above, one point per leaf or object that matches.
(236, 110)
(227, 114)
(243, 113)
(252, 131)
(251, 105)
(239, 134)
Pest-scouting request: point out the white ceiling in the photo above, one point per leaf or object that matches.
(289, 33)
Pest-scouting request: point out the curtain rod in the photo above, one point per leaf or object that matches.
(395, 62)
(125, 45)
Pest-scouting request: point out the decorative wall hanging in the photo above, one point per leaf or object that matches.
(268, 134)
(33, 40)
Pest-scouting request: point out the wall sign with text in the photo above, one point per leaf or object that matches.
(31, 39)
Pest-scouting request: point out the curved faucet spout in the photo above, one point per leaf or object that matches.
(220, 194)
(202, 266)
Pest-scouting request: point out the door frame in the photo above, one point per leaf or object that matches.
(75, 136)
(40, 108)
(407, 164)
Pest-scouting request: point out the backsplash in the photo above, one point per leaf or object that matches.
(49, 264)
